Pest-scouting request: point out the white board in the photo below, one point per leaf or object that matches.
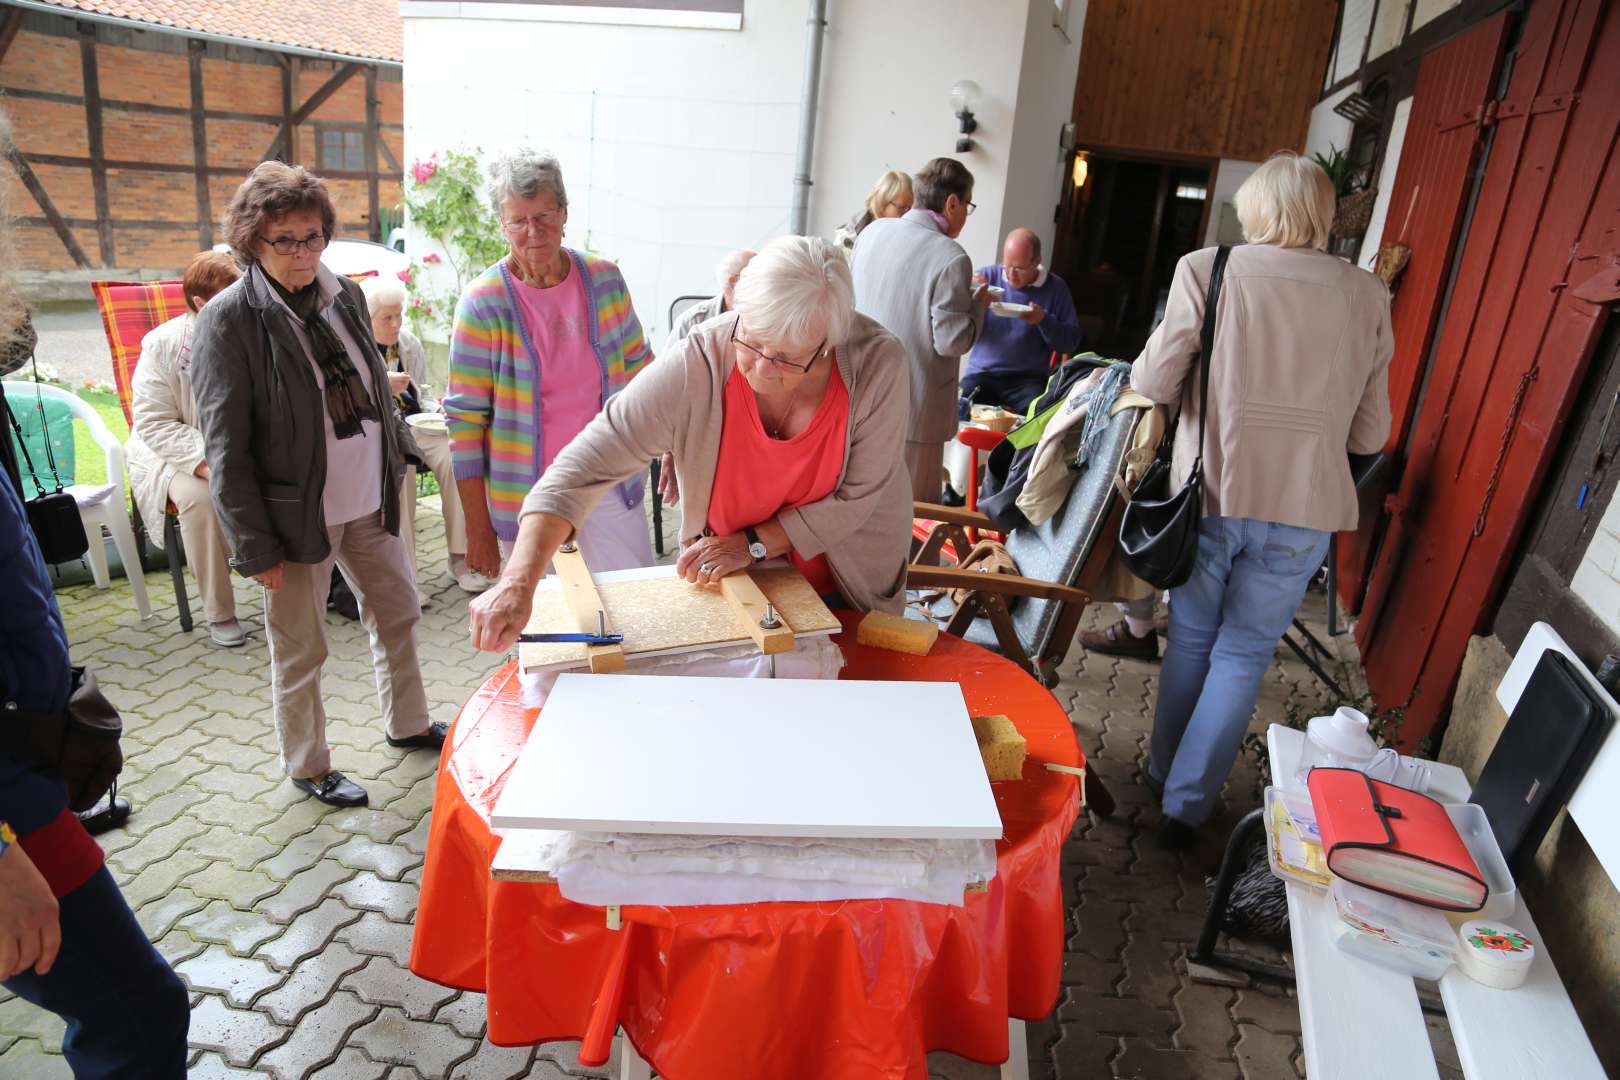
(1595, 805)
(751, 757)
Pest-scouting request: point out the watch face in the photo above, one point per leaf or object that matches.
(757, 550)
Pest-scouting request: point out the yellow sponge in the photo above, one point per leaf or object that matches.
(887, 631)
(1002, 748)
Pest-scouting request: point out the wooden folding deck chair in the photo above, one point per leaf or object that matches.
(130, 310)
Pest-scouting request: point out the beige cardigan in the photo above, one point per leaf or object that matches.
(165, 439)
(1299, 376)
(677, 404)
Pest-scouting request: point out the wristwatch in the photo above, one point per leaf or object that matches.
(756, 547)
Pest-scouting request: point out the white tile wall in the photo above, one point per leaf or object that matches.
(1597, 580)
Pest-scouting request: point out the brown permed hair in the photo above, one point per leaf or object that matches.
(207, 275)
(938, 181)
(272, 190)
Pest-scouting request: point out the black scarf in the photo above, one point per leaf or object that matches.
(409, 402)
(347, 402)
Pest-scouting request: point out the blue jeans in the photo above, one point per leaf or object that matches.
(1224, 626)
(127, 1012)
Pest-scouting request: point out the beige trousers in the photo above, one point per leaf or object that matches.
(378, 569)
(925, 461)
(436, 449)
(205, 546)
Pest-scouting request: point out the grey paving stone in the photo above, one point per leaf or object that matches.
(384, 860)
(366, 891)
(351, 1064)
(466, 1014)
(161, 878)
(1276, 1012)
(306, 934)
(239, 978)
(156, 844)
(26, 1059)
(1206, 1025)
(304, 890)
(177, 946)
(27, 1022)
(214, 1067)
(310, 983)
(378, 826)
(157, 916)
(383, 982)
(1148, 1062)
(1263, 1055)
(318, 1038)
(302, 844)
(238, 1035)
(242, 932)
(376, 936)
(493, 1062)
(431, 1049)
(242, 889)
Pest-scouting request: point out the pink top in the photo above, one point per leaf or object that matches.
(756, 475)
(570, 377)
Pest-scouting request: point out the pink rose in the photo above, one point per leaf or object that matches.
(431, 257)
(424, 170)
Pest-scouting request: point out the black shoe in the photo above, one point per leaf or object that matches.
(106, 815)
(335, 790)
(431, 739)
(949, 497)
(1174, 835)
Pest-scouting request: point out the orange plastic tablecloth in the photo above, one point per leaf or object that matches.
(811, 991)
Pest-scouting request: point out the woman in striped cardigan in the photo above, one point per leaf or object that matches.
(541, 340)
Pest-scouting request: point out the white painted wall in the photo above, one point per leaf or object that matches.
(677, 143)
(1373, 238)
(1597, 579)
(1229, 176)
(1327, 129)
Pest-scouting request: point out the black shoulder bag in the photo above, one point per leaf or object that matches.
(1158, 535)
(53, 515)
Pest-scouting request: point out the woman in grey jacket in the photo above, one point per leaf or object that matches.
(305, 457)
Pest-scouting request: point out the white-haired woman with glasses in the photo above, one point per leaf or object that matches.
(541, 341)
(1298, 381)
(787, 422)
(406, 362)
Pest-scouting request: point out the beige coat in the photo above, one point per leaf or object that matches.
(164, 439)
(677, 405)
(1299, 377)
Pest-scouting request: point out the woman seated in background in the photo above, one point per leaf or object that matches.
(167, 462)
(890, 197)
(406, 362)
(1298, 380)
(787, 423)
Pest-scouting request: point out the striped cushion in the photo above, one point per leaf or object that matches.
(129, 310)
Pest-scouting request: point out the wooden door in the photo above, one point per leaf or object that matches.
(1539, 270)
(1444, 137)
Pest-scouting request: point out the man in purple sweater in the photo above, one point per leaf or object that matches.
(1012, 357)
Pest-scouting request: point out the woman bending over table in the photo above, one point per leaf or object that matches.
(787, 422)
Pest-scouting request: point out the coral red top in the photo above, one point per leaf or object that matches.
(756, 475)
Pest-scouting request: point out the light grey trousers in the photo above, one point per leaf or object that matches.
(378, 568)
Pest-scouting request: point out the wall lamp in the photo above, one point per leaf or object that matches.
(1080, 169)
(964, 99)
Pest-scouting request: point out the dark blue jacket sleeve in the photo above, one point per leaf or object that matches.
(34, 668)
(1061, 327)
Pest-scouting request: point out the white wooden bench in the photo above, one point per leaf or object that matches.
(1360, 1020)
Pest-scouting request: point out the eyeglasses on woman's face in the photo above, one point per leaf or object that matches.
(286, 245)
(546, 219)
(781, 362)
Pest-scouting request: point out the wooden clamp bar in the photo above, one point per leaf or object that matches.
(585, 605)
(749, 604)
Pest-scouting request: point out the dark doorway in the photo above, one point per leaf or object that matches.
(1120, 234)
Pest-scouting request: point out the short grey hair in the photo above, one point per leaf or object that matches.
(732, 265)
(383, 290)
(796, 293)
(524, 173)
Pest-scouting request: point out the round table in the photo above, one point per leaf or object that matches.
(812, 991)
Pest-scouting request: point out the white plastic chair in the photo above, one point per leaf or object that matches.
(100, 505)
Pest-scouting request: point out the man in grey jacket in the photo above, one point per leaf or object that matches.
(913, 277)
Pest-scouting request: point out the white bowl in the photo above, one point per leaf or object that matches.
(1010, 311)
